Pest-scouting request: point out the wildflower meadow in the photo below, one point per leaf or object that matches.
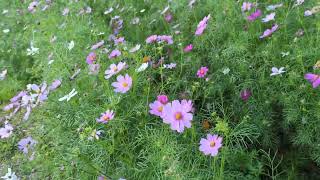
(160, 89)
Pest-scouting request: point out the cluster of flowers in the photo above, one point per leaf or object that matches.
(159, 38)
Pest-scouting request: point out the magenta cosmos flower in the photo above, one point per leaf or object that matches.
(123, 84)
(188, 48)
(114, 69)
(202, 25)
(114, 53)
(91, 58)
(269, 32)
(202, 72)
(211, 145)
(314, 79)
(163, 99)
(245, 94)
(106, 117)
(177, 116)
(254, 15)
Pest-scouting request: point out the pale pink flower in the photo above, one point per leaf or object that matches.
(210, 145)
(151, 39)
(114, 69)
(123, 84)
(202, 25)
(188, 48)
(114, 53)
(106, 117)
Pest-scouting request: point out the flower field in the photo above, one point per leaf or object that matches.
(159, 89)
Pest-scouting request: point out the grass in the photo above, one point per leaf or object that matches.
(273, 135)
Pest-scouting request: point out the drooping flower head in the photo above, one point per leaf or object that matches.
(177, 116)
(114, 69)
(123, 84)
(210, 145)
(26, 144)
(314, 79)
(163, 99)
(114, 53)
(91, 58)
(202, 25)
(245, 94)
(254, 15)
(106, 117)
(202, 72)
(188, 48)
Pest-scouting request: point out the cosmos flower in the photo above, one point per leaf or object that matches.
(254, 15)
(70, 45)
(114, 53)
(210, 145)
(151, 39)
(106, 117)
(94, 69)
(55, 84)
(156, 108)
(188, 48)
(119, 40)
(135, 48)
(32, 6)
(308, 13)
(202, 25)
(314, 79)
(245, 94)
(6, 131)
(114, 69)
(91, 58)
(10, 175)
(123, 84)
(26, 144)
(168, 17)
(202, 72)
(165, 38)
(177, 116)
(246, 6)
(276, 71)
(269, 32)
(97, 45)
(269, 17)
(163, 99)
(187, 105)
(143, 67)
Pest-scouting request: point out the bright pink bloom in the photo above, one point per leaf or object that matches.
(202, 72)
(245, 94)
(254, 15)
(211, 145)
(123, 84)
(188, 48)
(269, 32)
(151, 39)
(106, 117)
(163, 99)
(202, 25)
(314, 79)
(177, 116)
(114, 53)
(91, 58)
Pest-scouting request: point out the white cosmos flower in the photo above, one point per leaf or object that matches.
(10, 175)
(3, 74)
(71, 45)
(143, 67)
(69, 96)
(276, 71)
(134, 49)
(32, 50)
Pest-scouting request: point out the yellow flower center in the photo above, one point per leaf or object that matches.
(212, 144)
(178, 116)
(125, 84)
(160, 108)
(115, 69)
(106, 118)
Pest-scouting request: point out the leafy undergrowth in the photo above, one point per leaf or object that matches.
(267, 125)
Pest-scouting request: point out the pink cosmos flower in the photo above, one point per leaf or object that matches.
(254, 15)
(6, 131)
(177, 116)
(123, 84)
(314, 79)
(269, 32)
(187, 105)
(202, 25)
(114, 53)
(168, 17)
(246, 6)
(32, 6)
(211, 145)
(119, 40)
(163, 99)
(165, 38)
(106, 117)
(151, 39)
(114, 69)
(188, 48)
(245, 94)
(156, 108)
(98, 45)
(55, 84)
(91, 58)
(202, 72)
(269, 17)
